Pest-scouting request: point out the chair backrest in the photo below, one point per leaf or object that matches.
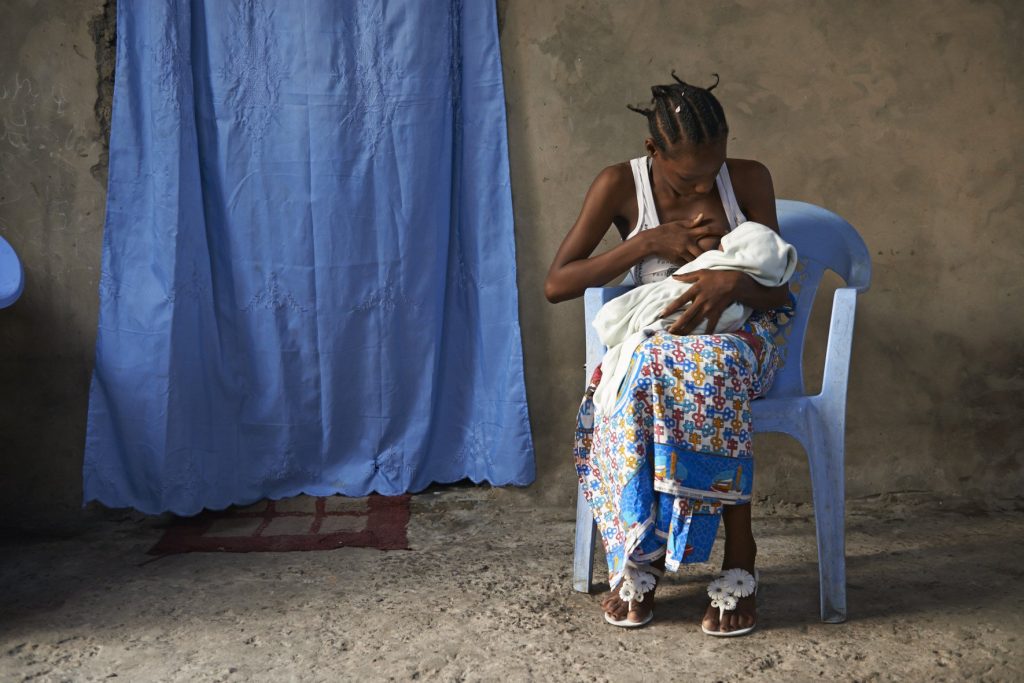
(824, 241)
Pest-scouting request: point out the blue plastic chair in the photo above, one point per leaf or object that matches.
(823, 241)
(12, 277)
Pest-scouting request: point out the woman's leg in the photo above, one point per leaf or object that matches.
(682, 396)
(740, 552)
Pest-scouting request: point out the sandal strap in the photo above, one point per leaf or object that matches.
(637, 580)
(730, 586)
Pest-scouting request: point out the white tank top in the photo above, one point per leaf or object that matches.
(653, 268)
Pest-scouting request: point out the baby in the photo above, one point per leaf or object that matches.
(625, 321)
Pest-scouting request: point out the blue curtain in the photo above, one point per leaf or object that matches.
(308, 275)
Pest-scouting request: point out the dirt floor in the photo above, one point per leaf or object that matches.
(485, 595)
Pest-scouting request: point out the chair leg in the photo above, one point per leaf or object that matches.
(583, 556)
(825, 453)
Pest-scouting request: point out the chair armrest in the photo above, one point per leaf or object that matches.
(837, 353)
(604, 294)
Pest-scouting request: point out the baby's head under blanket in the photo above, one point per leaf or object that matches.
(753, 248)
(748, 233)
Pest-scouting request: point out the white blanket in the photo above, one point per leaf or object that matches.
(624, 322)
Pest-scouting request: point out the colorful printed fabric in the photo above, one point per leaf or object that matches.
(677, 445)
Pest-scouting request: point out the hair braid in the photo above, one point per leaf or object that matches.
(684, 111)
(671, 128)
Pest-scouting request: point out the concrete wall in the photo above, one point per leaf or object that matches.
(52, 180)
(904, 117)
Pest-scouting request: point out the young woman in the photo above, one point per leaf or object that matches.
(675, 453)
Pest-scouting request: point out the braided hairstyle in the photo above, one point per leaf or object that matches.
(685, 111)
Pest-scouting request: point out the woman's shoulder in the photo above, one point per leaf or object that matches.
(617, 177)
(748, 171)
(615, 185)
(755, 193)
(751, 180)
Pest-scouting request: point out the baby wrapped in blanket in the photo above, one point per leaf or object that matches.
(624, 322)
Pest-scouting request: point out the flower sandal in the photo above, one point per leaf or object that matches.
(636, 580)
(725, 593)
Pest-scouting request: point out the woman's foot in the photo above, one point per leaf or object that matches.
(740, 552)
(618, 609)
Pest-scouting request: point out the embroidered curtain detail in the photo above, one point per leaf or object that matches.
(308, 274)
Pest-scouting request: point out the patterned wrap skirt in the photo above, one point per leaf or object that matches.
(657, 470)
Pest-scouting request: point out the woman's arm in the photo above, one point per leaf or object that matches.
(755, 193)
(712, 291)
(573, 269)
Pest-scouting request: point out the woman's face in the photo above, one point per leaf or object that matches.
(688, 170)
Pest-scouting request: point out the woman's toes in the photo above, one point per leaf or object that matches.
(615, 607)
(727, 622)
(742, 618)
(734, 621)
(711, 620)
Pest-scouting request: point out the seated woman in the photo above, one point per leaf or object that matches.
(674, 454)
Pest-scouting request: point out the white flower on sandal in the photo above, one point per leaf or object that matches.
(645, 581)
(636, 582)
(718, 589)
(725, 593)
(726, 602)
(739, 582)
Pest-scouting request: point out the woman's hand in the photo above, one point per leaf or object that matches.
(710, 293)
(684, 240)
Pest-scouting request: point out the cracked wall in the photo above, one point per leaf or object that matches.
(103, 29)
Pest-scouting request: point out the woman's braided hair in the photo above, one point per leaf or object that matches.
(685, 111)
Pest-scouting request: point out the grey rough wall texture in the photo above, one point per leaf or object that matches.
(904, 117)
(52, 179)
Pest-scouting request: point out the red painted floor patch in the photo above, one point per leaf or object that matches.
(294, 524)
